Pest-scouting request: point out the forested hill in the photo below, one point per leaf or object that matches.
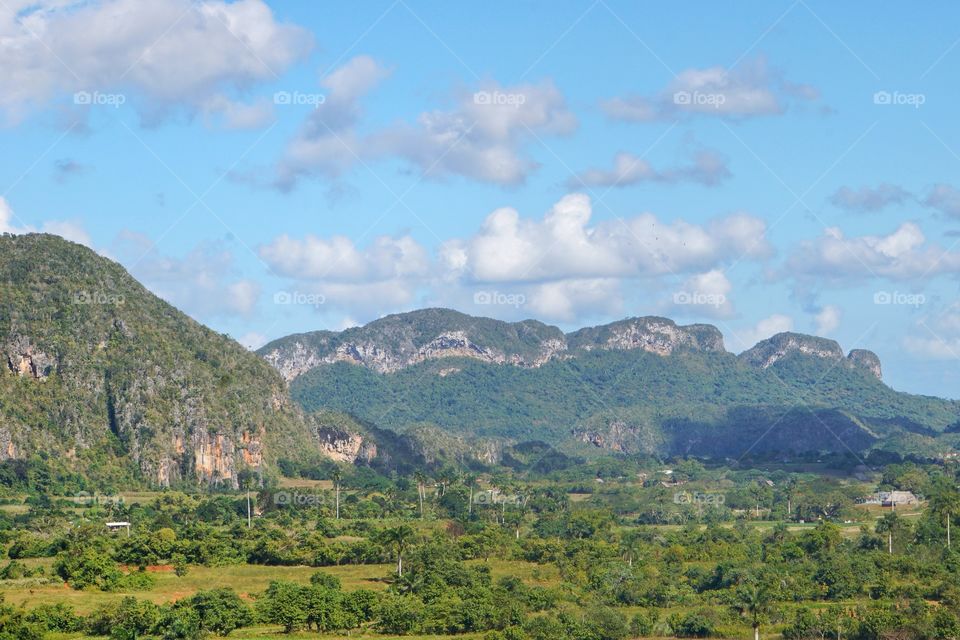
(102, 378)
(638, 385)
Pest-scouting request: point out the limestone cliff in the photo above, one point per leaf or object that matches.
(403, 340)
(106, 379)
(770, 351)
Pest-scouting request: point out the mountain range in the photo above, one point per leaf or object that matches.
(100, 378)
(639, 385)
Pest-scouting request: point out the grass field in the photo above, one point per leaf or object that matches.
(244, 579)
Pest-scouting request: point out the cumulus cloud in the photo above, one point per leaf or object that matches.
(565, 245)
(561, 266)
(204, 283)
(335, 271)
(484, 137)
(340, 259)
(704, 293)
(765, 328)
(901, 254)
(749, 90)
(869, 199)
(708, 168)
(945, 199)
(568, 300)
(162, 55)
(827, 320)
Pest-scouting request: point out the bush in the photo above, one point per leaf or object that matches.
(642, 624)
(695, 624)
(88, 569)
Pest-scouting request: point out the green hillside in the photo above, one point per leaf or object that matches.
(103, 379)
(703, 403)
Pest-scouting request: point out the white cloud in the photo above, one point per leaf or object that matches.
(376, 278)
(338, 259)
(568, 300)
(869, 199)
(327, 144)
(827, 320)
(69, 229)
(161, 55)
(945, 199)
(484, 137)
(769, 326)
(748, 90)
(902, 254)
(564, 245)
(708, 168)
(704, 293)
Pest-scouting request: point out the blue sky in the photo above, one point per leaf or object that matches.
(280, 167)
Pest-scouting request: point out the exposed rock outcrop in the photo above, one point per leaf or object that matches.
(867, 360)
(343, 446)
(768, 352)
(403, 340)
(656, 335)
(25, 360)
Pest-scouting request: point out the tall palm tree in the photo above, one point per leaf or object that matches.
(754, 601)
(336, 476)
(399, 538)
(421, 482)
(471, 482)
(890, 524)
(945, 502)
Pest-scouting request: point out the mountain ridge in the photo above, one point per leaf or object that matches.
(400, 340)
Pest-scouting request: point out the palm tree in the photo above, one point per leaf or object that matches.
(336, 476)
(945, 502)
(789, 489)
(890, 524)
(471, 482)
(421, 482)
(754, 601)
(399, 538)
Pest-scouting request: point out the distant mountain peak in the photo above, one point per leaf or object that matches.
(767, 353)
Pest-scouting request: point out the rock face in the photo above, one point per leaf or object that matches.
(656, 335)
(26, 360)
(343, 446)
(867, 360)
(770, 351)
(402, 340)
(128, 381)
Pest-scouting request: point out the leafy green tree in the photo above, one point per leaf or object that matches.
(400, 614)
(220, 611)
(88, 569)
(284, 603)
(134, 619)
